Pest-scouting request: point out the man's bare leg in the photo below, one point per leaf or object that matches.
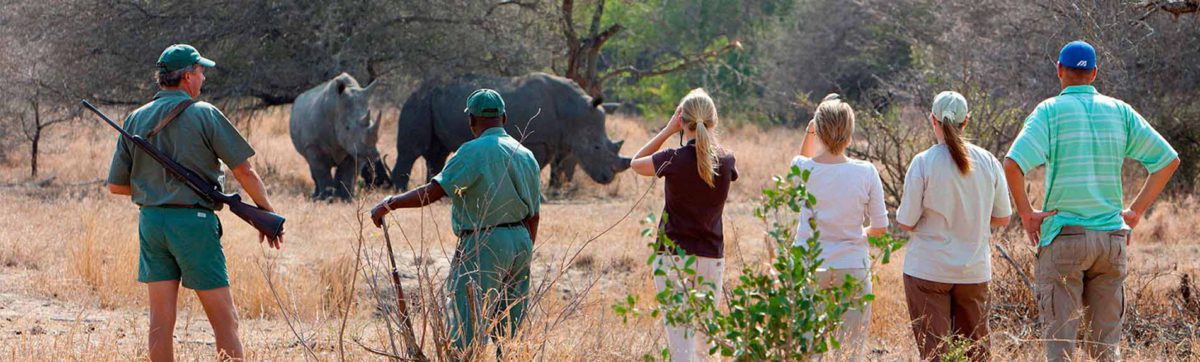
(163, 296)
(222, 314)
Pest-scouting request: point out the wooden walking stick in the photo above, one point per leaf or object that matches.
(410, 340)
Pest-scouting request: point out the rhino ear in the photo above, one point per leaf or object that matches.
(596, 102)
(341, 87)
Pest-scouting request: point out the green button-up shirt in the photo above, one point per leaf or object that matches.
(1083, 137)
(199, 138)
(491, 180)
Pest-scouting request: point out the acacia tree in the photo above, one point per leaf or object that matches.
(39, 87)
(42, 112)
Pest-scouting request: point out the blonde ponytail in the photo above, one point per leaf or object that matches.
(958, 148)
(835, 123)
(699, 114)
(706, 158)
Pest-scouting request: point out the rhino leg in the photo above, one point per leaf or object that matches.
(322, 180)
(562, 171)
(344, 177)
(375, 175)
(406, 156)
(401, 171)
(435, 160)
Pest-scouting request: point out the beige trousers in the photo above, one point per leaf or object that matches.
(853, 333)
(1080, 278)
(686, 344)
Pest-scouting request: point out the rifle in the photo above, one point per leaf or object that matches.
(410, 340)
(268, 223)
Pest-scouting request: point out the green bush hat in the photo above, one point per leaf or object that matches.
(181, 56)
(949, 106)
(485, 103)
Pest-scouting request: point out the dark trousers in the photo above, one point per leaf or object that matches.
(941, 312)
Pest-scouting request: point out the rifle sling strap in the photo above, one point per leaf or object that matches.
(175, 112)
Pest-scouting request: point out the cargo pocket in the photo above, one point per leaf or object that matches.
(1118, 257)
(1045, 303)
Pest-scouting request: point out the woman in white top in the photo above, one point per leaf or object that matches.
(849, 193)
(954, 193)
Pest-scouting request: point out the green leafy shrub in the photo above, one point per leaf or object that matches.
(773, 313)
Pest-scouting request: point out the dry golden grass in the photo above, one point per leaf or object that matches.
(68, 255)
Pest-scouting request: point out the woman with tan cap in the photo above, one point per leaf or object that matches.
(697, 177)
(954, 193)
(849, 193)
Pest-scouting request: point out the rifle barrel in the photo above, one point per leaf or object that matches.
(106, 119)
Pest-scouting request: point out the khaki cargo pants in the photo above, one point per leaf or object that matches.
(1080, 277)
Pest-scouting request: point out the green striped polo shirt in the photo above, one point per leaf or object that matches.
(1083, 137)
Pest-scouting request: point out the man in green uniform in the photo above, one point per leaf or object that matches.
(1083, 137)
(494, 187)
(178, 233)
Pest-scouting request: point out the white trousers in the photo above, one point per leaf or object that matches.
(853, 334)
(686, 344)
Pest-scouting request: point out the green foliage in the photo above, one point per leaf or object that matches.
(775, 313)
(657, 34)
(957, 349)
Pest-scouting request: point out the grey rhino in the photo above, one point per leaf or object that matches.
(568, 127)
(331, 127)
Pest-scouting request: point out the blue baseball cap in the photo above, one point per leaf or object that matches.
(1078, 55)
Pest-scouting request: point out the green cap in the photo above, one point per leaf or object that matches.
(949, 106)
(485, 103)
(181, 56)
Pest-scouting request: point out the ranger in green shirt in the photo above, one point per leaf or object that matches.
(494, 187)
(179, 235)
(1083, 138)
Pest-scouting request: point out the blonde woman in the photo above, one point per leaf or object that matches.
(954, 194)
(697, 177)
(849, 193)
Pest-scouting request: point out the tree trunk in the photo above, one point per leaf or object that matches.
(33, 153)
(37, 137)
(584, 52)
(581, 66)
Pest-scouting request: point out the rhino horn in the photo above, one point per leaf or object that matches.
(622, 164)
(610, 107)
(374, 126)
(618, 144)
(371, 86)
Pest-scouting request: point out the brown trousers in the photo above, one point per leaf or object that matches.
(943, 311)
(1081, 277)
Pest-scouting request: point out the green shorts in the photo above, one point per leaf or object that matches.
(181, 244)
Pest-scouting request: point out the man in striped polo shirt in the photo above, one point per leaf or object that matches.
(1083, 137)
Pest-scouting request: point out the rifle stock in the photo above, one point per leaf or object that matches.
(268, 223)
